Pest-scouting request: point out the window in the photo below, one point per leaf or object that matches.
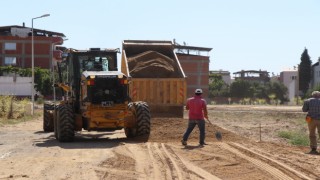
(97, 63)
(10, 61)
(10, 46)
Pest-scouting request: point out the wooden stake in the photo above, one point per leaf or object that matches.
(260, 130)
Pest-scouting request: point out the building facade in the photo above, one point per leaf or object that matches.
(315, 82)
(252, 75)
(16, 51)
(224, 74)
(196, 67)
(290, 79)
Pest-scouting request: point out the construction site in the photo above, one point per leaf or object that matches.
(246, 150)
(112, 122)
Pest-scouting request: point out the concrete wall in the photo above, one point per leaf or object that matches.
(19, 86)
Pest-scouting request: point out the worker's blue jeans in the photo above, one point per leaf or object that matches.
(191, 125)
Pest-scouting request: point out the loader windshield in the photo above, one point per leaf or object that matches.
(97, 63)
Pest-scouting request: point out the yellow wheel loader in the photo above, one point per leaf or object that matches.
(94, 97)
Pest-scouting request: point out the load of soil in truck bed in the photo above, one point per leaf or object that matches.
(151, 64)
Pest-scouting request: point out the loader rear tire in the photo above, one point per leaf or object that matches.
(48, 117)
(55, 121)
(130, 132)
(143, 118)
(65, 123)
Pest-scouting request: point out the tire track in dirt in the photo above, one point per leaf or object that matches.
(262, 165)
(271, 160)
(150, 161)
(119, 166)
(188, 166)
(265, 163)
(162, 160)
(188, 170)
(163, 157)
(300, 157)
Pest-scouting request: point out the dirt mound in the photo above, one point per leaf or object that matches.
(172, 130)
(151, 64)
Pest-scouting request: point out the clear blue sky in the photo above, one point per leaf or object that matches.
(245, 35)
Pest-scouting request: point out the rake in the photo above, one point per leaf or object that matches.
(218, 134)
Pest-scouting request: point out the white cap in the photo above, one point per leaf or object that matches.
(198, 91)
(315, 94)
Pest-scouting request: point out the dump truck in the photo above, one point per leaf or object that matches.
(94, 97)
(156, 76)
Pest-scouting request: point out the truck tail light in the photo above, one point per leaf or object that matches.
(123, 81)
(90, 82)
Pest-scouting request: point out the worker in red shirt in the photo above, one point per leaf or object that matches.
(197, 107)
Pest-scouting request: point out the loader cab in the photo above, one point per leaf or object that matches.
(97, 63)
(93, 77)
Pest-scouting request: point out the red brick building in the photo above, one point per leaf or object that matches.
(15, 47)
(196, 67)
(16, 50)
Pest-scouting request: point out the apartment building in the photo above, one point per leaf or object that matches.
(16, 50)
(195, 64)
(224, 74)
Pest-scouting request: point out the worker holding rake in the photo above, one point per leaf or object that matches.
(312, 106)
(197, 107)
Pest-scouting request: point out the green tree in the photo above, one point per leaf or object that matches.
(217, 87)
(241, 89)
(257, 90)
(278, 90)
(304, 72)
(43, 82)
(253, 90)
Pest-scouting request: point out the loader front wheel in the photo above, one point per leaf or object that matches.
(48, 117)
(65, 123)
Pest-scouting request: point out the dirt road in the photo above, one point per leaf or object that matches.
(26, 152)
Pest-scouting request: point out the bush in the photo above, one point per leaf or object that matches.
(11, 108)
(295, 138)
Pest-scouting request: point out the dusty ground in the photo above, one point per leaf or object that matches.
(26, 152)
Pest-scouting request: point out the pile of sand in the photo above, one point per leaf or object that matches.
(151, 64)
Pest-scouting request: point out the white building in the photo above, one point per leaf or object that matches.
(315, 82)
(290, 79)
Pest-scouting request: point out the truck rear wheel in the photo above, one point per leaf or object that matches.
(48, 117)
(65, 123)
(142, 115)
